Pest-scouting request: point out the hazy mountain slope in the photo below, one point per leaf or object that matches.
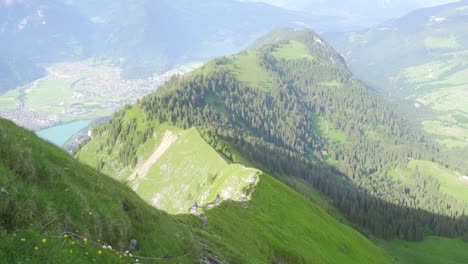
(353, 15)
(45, 192)
(419, 59)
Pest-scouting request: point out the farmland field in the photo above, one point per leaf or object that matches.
(82, 90)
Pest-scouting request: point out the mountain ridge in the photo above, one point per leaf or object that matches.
(266, 107)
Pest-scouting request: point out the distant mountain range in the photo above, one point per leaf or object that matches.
(356, 13)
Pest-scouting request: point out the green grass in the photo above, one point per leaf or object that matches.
(280, 226)
(201, 172)
(98, 149)
(316, 197)
(450, 182)
(433, 250)
(33, 247)
(47, 191)
(448, 134)
(441, 86)
(327, 130)
(191, 171)
(293, 50)
(245, 66)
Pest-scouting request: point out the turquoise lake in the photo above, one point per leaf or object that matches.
(61, 133)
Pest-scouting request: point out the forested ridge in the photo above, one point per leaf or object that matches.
(276, 129)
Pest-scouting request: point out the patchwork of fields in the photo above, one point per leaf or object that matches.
(441, 87)
(82, 90)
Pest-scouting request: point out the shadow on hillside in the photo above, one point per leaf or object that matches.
(371, 215)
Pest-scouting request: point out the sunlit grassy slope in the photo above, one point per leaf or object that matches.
(280, 226)
(245, 66)
(293, 50)
(45, 192)
(451, 182)
(188, 170)
(191, 171)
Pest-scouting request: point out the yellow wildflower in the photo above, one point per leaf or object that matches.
(85, 241)
(99, 252)
(73, 242)
(44, 241)
(23, 239)
(65, 236)
(36, 248)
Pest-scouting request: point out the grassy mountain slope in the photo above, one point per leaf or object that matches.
(178, 168)
(201, 175)
(419, 59)
(307, 234)
(305, 120)
(45, 192)
(306, 117)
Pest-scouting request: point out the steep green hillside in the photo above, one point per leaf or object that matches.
(177, 167)
(305, 117)
(419, 60)
(184, 169)
(280, 226)
(44, 192)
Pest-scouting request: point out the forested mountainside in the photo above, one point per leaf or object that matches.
(55, 209)
(291, 107)
(418, 61)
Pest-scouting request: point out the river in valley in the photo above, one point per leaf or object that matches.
(59, 134)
